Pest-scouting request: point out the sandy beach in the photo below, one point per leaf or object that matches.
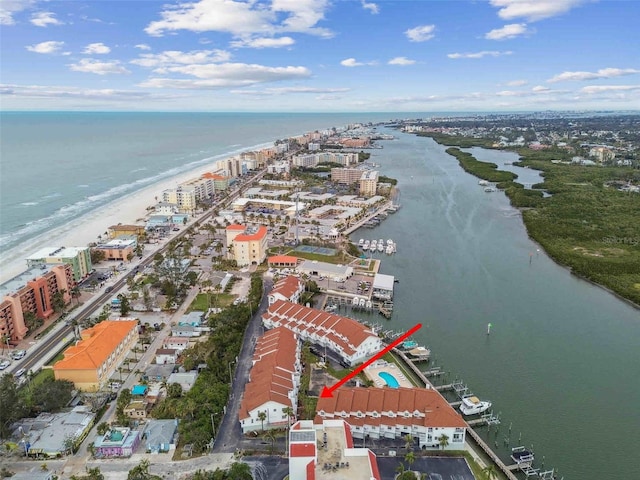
(130, 209)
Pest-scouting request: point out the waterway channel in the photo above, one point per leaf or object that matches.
(561, 363)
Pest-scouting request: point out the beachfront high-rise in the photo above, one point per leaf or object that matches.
(32, 291)
(78, 257)
(368, 183)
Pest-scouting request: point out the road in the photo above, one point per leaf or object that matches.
(229, 434)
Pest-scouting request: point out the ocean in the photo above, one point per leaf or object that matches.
(58, 166)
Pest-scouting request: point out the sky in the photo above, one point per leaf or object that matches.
(320, 55)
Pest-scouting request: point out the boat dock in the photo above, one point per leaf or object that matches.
(488, 419)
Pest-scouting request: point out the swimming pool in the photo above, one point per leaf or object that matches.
(389, 379)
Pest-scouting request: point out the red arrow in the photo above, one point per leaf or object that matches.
(327, 392)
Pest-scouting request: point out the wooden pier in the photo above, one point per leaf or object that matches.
(459, 387)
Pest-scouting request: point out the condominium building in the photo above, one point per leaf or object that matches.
(78, 257)
(346, 176)
(182, 196)
(313, 159)
(119, 248)
(387, 412)
(349, 339)
(247, 245)
(32, 291)
(274, 381)
(289, 288)
(91, 362)
(220, 182)
(368, 183)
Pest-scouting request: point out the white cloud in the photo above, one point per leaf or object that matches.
(508, 31)
(91, 65)
(289, 90)
(96, 48)
(211, 76)
(402, 61)
(243, 19)
(372, 7)
(10, 7)
(264, 42)
(45, 47)
(533, 10)
(42, 19)
(351, 62)
(45, 91)
(484, 53)
(516, 83)
(142, 46)
(602, 73)
(540, 89)
(421, 33)
(171, 58)
(594, 89)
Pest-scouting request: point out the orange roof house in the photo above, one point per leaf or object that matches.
(288, 261)
(93, 360)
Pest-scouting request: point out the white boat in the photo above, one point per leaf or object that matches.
(521, 455)
(389, 242)
(484, 183)
(420, 352)
(389, 250)
(381, 247)
(374, 243)
(472, 405)
(381, 242)
(361, 242)
(366, 245)
(489, 189)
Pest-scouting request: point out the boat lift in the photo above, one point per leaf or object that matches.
(460, 388)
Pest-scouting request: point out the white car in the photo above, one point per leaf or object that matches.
(18, 354)
(4, 364)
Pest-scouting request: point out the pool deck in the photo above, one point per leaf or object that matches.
(375, 368)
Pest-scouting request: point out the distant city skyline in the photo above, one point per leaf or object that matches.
(320, 55)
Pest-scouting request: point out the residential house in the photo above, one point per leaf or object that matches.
(166, 355)
(137, 409)
(185, 331)
(176, 343)
(160, 436)
(118, 442)
(185, 379)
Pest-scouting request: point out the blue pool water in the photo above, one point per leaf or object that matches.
(389, 379)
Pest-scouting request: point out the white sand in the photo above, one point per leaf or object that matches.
(85, 229)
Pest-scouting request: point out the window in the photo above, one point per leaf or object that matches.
(457, 437)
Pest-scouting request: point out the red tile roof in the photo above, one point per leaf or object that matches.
(259, 235)
(283, 259)
(287, 287)
(436, 412)
(235, 226)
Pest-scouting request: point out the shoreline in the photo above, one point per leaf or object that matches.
(130, 208)
(520, 209)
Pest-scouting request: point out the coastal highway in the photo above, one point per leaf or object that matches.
(55, 341)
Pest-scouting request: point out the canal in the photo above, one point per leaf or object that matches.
(561, 363)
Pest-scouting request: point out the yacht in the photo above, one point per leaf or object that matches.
(484, 183)
(389, 242)
(381, 247)
(389, 249)
(420, 352)
(374, 244)
(408, 344)
(381, 242)
(366, 245)
(361, 242)
(471, 405)
(521, 455)
(489, 189)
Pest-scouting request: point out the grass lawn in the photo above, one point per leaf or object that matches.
(339, 258)
(201, 302)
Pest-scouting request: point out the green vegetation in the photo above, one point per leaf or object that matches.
(203, 301)
(211, 390)
(362, 156)
(458, 141)
(383, 179)
(237, 471)
(585, 225)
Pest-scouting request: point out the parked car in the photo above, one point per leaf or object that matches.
(18, 354)
(4, 364)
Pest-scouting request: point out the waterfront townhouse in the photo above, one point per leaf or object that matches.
(274, 381)
(386, 412)
(247, 245)
(91, 362)
(32, 292)
(78, 257)
(316, 451)
(350, 340)
(368, 183)
(289, 288)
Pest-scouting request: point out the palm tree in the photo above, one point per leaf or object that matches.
(443, 440)
(5, 341)
(262, 416)
(489, 472)
(288, 411)
(271, 436)
(75, 293)
(410, 457)
(400, 469)
(408, 441)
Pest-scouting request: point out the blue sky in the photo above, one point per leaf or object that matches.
(320, 55)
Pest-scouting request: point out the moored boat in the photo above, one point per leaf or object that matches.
(472, 405)
(521, 455)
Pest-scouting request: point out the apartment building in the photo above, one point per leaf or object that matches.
(78, 257)
(346, 176)
(182, 196)
(349, 339)
(368, 183)
(118, 248)
(247, 245)
(32, 291)
(274, 381)
(91, 362)
(289, 288)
